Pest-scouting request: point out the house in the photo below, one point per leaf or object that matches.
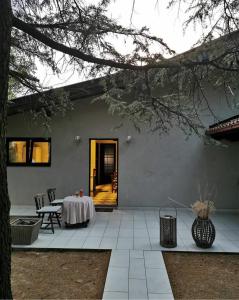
(117, 165)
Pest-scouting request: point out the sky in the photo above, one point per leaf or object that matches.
(162, 22)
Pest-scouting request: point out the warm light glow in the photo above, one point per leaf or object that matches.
(108, 160)
(17, 152)
(92, 163)
(40, 153)
(103, 194)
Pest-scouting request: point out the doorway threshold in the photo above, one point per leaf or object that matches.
(105, 208)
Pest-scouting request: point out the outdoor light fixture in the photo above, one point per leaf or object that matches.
(77, 138)
(129, 138)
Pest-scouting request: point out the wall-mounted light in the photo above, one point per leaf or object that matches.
(128, 139)
(77, 138)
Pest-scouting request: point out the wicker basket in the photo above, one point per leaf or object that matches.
(203, 232)
(26, 233)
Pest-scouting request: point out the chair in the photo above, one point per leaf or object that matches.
(51, 211)
(52, 197)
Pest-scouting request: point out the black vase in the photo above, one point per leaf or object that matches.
(203, 232)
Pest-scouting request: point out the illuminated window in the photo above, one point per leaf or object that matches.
(40, 152)
(28, 151)
(17, 152)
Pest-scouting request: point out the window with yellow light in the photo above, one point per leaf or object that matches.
(28, 151)
(40, 152)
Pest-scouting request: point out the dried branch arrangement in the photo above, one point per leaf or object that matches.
(203, 207)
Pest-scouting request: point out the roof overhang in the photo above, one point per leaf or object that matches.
(77, 91)
(227, 129)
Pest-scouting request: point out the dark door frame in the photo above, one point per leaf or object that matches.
(117, 160)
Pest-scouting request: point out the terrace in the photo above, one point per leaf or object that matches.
(137, 268)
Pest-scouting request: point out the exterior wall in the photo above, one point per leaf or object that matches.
(151, 167)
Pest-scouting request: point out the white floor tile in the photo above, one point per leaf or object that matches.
(126, 233)
(117, 280)
(114, 223)
(140, 225)
(155, 244)
(137, 268)
(96, 232)
(59, 242)
(141, 233)
(81, 233)
(129, 218)
(125, 243)
(122, 252)
(157, 281)
(119, 259)
(152, 225)
(100, 224)
(42, 242)
(133, 226)
(154, 259)
(184, 234)
(232, 226)
(154, 234)
(136, 254)
(161, 296)
(115, 296)
(137, 289)
(230, 248)
(76, 243)
(236, 243)
(108, 243)
(232, 235)
(64, 233)
(142, 244)
(92, 243)
(113, 233)
(127, 225)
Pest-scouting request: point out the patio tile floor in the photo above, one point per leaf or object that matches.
(136, 269)
(137, 277)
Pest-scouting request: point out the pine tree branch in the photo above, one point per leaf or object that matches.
(177, 62)
(36, 34)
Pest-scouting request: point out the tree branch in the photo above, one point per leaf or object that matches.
(166, 63)
(176, 63)
(71, 26)
(24, 76)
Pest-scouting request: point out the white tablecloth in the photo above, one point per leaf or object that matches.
(78, 209)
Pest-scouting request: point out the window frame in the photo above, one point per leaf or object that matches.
(29, 151)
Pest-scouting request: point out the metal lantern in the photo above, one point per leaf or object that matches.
(168, 230)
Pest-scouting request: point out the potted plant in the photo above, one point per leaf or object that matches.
(203, 230)
(25, 230)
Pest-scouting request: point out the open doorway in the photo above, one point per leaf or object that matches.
(104, 171)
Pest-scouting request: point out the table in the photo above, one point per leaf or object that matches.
(78, 210)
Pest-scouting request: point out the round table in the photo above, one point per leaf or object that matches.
(77, 211)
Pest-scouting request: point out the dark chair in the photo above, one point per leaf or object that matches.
(50, 211)
(52, 197)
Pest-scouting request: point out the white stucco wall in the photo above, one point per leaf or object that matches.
(151, 167)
